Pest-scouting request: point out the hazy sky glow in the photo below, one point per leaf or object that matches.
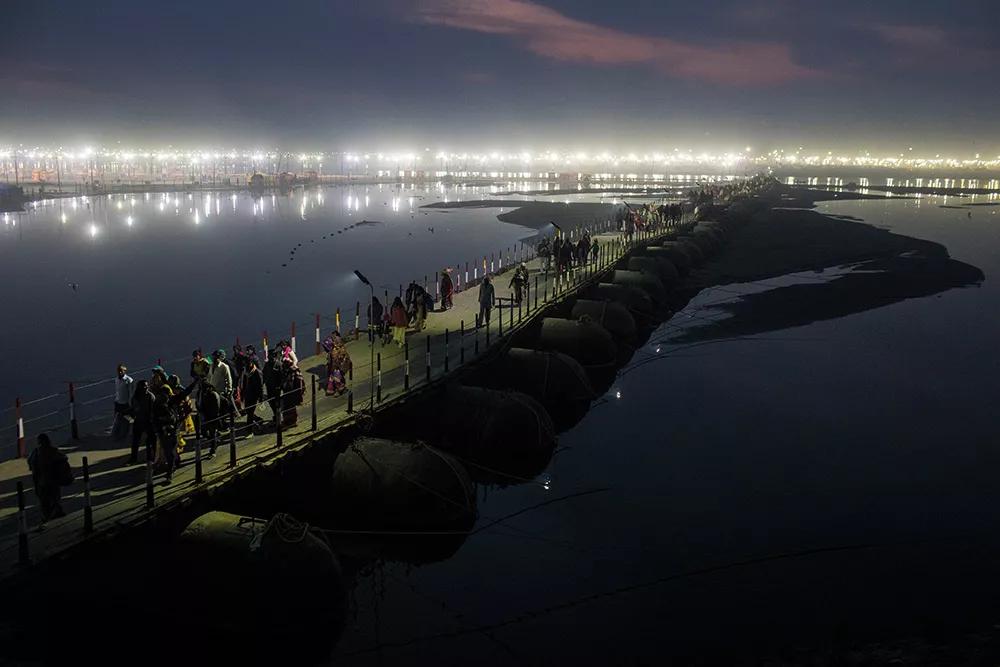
(717, 74)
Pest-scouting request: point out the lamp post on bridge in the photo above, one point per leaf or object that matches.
(371, 344)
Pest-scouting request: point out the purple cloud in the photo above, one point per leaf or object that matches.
(550, 34)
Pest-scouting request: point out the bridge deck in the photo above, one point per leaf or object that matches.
(119, 494)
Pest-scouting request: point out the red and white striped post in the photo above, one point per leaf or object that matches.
(466, 275)
(264, 341)
(318, 348)
(437, 287)
(73, 428)
(336, 317)
(20, 429)
(294, 351)
(357, 320)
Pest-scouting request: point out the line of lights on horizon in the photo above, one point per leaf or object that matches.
(678, 156)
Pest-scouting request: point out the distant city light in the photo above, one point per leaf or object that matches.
(40, 164)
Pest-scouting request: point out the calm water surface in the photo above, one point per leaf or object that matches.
(158, 275)
(870, 438)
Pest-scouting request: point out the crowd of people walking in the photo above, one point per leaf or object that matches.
(162, 413)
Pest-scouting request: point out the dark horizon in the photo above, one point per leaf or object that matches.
(511, 74)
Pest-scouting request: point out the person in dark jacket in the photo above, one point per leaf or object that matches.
(486, 297)
(412, 290)
(165, 424)
(566, 256)
(47, 465)
(292, 391)
(272, 379)
(375, 312)
(200, 368)
(253, 393)
(419, 316)
(447, 289)
(583, 249)
(544, 250)
(519, 281)
(142, 413)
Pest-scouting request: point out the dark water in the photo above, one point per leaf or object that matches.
(852, 462)
(158, 275)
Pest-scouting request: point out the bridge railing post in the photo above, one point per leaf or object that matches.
(150, 447)
(74, 429)
(277, 421)
(88, 510)
(428, 357)
(446, 350)
(461, 343)
(406, 365)
(318, 348)
(23, 556)
(197, 461)
(19, 424)
(378, 381)
(313, 401)
(232, 436)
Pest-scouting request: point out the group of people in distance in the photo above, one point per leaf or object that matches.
(565, 253)
(409, 310)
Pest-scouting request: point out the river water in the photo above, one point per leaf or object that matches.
(89, 282)
(809, 487)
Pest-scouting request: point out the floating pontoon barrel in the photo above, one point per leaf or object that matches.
(254, 577)
(707, 244)
(548, 377)
(661, 266)
(716, 234)
(390, 484)
(614, 317)
(673, 253)
(496, 430)
(689, 248)
(634, 298)
(587, 342)
(647, 282)
(715, 226)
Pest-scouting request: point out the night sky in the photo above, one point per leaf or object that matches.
(512, 74)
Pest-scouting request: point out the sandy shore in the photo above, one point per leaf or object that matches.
(538, 215)
(885, 268)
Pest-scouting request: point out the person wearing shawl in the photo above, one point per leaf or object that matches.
(338, 366)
